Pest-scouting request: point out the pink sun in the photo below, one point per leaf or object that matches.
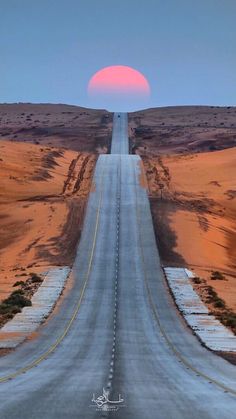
(119, 78)
(118, 84)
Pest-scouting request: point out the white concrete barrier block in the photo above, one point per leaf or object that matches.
(43, 302)
(209, 330)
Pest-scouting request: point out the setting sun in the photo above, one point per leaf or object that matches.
(119, 83)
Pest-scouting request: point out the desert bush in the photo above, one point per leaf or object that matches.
(228, 318)
(18, 299)
(217, 275)
(14, 304)
(197, 280)
(212, 148)
(219, 303)
(35, 277)
(18, 284)
(212, 293)
(230, 321)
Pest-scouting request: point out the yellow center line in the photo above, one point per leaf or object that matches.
(157, 317)
(69, 324)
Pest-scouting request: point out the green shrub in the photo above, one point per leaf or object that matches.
(16, 299)
(18, 283)
(219, 303)
(24, 274)
(230, 321)
(8, 309)
(212, 295)
(4, 308)
(217, 275)
(197, 280)
(35, 277)
(228, 318)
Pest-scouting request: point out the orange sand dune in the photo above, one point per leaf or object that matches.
(196, 218)
(43, 190)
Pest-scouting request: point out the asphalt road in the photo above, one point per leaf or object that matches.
(120, 142)
(122, 330)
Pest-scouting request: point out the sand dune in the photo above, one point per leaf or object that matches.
(196, 219)
(43, 193)
(190, 154)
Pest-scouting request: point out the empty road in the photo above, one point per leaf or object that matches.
(117, 327)
(120, 142)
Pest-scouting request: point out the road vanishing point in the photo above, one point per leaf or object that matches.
(116, 330)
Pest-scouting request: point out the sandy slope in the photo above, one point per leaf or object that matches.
(43, 193)
(196, 219)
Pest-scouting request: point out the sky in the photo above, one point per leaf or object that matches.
(186, 49)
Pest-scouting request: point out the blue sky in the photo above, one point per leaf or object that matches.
(187, 49)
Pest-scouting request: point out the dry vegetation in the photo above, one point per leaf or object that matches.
(189, 129)
(20, 297)
(72, 127)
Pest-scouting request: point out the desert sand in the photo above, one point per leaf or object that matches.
(198, 197)
(47, 156)
(43, 193)
(190, 167)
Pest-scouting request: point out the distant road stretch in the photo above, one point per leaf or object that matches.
(120, 141)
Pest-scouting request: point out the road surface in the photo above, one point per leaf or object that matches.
(117, 328)
(120, 142)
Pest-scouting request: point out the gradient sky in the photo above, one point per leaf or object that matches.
(49, 49)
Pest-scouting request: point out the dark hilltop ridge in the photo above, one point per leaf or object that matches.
(72, 127)
(177, 129)
(183, 129)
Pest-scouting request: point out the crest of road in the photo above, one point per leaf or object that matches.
(116, 330)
